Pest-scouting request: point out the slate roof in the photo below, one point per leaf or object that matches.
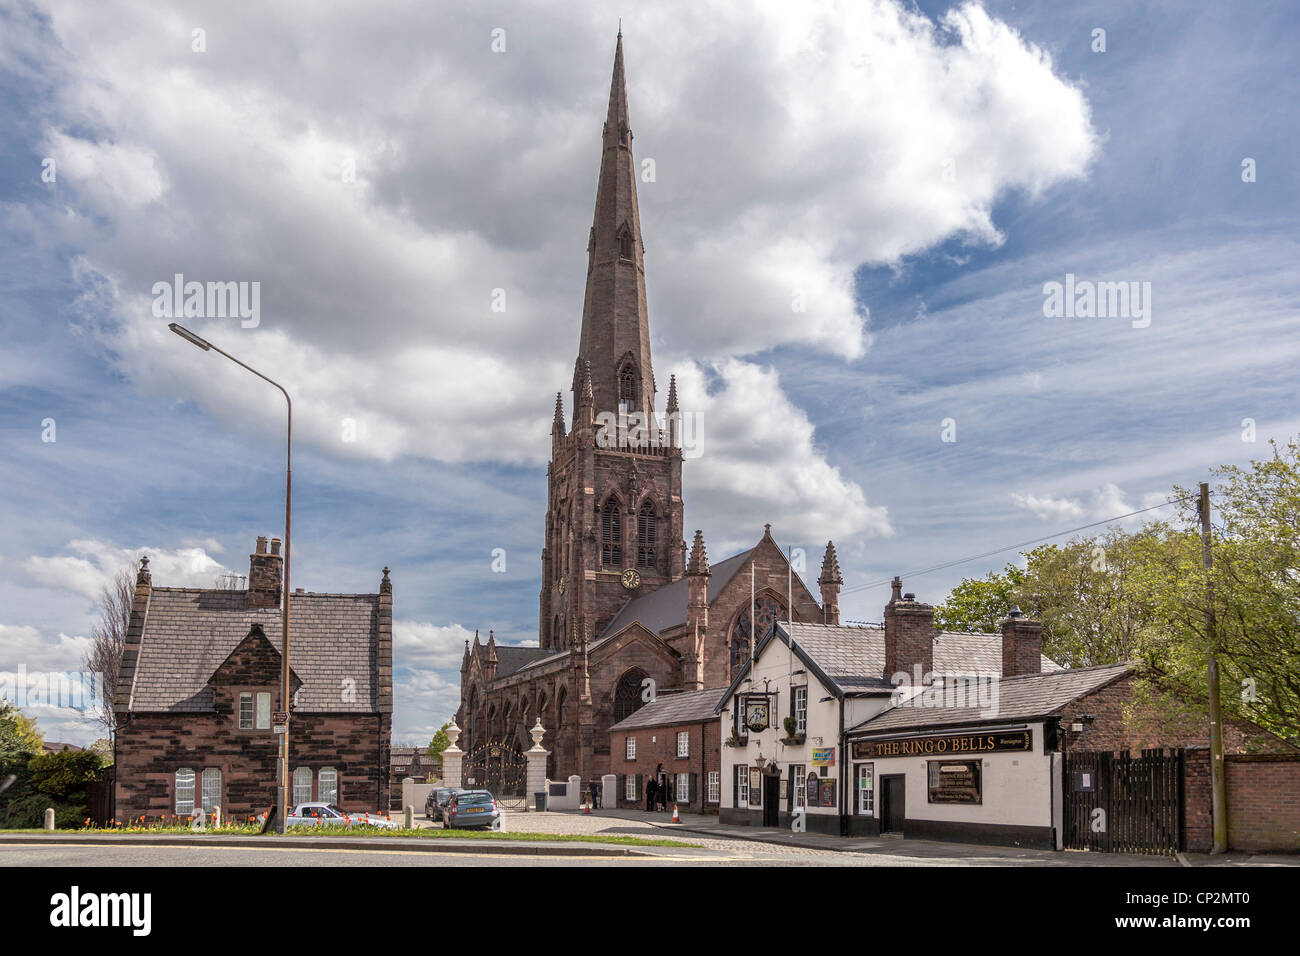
(189, 632)
(1019, 698)
(511, 657)
(666, 606)
(688, 707)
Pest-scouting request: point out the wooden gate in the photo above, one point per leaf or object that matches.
(1118, 803)
(100, 794)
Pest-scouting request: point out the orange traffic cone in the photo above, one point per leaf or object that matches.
(586, 807)
(676, 817)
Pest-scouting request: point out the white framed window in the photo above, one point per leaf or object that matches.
(683, 788)
(211, 789)
(630, 748)
(629, 787)
(263, 711)
(867, 788)
(246, 711)
(328, 785)
(801, 710)
(184, 791)
(683, 743)
(800, 782)
(302, 785)
(742, 786)
(715, 786)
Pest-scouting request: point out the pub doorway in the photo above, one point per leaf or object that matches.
(893, 803)
(771, 800)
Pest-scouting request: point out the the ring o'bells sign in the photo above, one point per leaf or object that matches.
(968, 743)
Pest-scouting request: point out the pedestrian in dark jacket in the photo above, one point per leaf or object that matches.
(650, 788)
(661, 789)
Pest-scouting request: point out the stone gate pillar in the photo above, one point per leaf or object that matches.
(452, 757)
(536, 763)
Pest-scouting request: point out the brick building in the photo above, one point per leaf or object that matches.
(413, 762)
(200, 679)
(621, 602)
(673, 740)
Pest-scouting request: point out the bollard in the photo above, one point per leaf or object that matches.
(408, 817)
(216, 817)
(199, 821)
(49, 818)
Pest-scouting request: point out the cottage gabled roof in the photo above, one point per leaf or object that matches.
(1024, 697)
(189, 632)
(688, 707)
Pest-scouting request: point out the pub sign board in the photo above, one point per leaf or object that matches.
(823, 757)
(977, 743)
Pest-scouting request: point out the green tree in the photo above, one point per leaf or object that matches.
(20, 740)
(440, 741)
(980, 604)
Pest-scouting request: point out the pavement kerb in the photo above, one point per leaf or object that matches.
(397, 844)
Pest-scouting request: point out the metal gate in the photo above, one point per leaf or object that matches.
(500, 769)
(1118, 803)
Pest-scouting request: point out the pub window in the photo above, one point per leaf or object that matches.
(328, 785)
(738, 718)
(866, 788)
(954, 781)
(211, 789)
(715, 786)
(683, 743)
(631, 748)
(302, 785)
(801, 710)
(798, 773)
(742, 786)
(184, 791)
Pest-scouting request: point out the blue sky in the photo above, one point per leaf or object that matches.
(794, 150)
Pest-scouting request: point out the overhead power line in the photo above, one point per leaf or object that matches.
(1012, 547)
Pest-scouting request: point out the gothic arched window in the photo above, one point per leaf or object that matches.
(767, 611)
(627, 388)
(625, 244)
(627, 694)
(611, 535)
(646, 536)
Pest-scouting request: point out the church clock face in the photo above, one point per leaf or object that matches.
(631, 579)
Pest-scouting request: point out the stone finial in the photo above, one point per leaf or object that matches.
(143, 578)
(830, 566)
(385, 586)
(699, 562)
(896, 590)
(492, 647)
(453, 735)
(588, 396)
(538, 732)
(672, 394)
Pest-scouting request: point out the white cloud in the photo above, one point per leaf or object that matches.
(421, 644)
(1047, 508)
(23, 646)
(93, 564)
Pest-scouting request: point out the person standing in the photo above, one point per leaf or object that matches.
(661, 789)
(651, 786)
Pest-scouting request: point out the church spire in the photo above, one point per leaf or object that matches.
(615, 323)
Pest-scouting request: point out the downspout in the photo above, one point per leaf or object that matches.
(844, 773)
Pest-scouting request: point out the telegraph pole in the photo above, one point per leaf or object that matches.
(1218, 786)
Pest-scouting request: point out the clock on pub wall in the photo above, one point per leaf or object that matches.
(631, 579)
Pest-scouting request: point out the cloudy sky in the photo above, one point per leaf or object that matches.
(913, 175)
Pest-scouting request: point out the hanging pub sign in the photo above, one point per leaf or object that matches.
(823, 757)
(758, 713)
(948, 744)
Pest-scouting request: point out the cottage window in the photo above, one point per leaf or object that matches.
(631, 748)
(184, 791)
(715, 786)
(302, 785)
(255, 710)
(683, 743)
(629, 786)
(801, 710)
(211, 789)
(683, 788)
(867, 788)
(328, 785)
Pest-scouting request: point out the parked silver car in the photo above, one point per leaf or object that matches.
(469, 809)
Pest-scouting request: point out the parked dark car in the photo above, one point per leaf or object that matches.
(469, 809)
(436, 802)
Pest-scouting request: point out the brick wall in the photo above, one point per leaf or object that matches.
(1198, 824)
(152, 747)
(1264, 802)
(658, 745)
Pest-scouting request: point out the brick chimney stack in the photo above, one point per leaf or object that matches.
(909, 634)
(1022, 645)
(265, 575)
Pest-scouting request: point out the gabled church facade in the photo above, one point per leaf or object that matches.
(622, 602)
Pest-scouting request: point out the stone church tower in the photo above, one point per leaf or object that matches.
(614, 501)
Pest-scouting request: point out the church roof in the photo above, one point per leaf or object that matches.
(666, 606)
(1019, 698)
(511, 658)
(668, 709)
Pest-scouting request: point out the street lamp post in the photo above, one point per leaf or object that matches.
(282, 761)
